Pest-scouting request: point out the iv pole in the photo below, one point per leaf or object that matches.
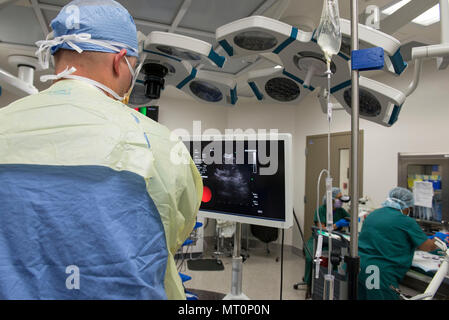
(353, 260)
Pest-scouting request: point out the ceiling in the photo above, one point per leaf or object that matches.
(24, 22)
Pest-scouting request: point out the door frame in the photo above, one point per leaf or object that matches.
(308, 216)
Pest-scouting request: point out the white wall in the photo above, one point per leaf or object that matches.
(178, 111)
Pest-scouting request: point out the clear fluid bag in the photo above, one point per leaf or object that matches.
(328, 32)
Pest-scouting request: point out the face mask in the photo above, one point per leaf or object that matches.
(409, 210)
(134, 74)
(338, 203)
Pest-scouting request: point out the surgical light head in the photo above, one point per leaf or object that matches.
(369, 38)
(277, 85)
(154, 79)
(182, 48)
(256, 35)
(137, 97)
(307, 63)
(169, 59)
(211, 87)
(379, 103)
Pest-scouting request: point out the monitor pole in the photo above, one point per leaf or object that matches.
(237, 268)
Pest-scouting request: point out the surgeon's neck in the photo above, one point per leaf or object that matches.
(93, 65)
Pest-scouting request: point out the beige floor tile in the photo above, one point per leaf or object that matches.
(261, 275)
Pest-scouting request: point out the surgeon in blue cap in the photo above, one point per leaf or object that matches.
(387, 243)
(105, 32)
(94, 204)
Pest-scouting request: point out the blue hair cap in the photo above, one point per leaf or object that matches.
(105, 20)
(399, 198)
(335, 192)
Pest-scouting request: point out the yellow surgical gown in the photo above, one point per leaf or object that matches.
(74, 124)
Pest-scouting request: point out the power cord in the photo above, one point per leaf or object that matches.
(302, 235)
(282, 263)
(282, 250)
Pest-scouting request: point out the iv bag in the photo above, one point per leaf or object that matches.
(328, 32)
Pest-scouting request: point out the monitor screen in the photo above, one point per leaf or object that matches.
(245, 179)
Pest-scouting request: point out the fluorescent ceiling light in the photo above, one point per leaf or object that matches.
(393, 8)
(429, 17)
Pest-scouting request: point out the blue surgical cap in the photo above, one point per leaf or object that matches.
(335, 192)
(104, 20)
(399, 198)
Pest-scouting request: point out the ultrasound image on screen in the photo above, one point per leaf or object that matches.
(232, 179)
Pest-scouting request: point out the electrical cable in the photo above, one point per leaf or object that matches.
(302, 235)
(282, 263)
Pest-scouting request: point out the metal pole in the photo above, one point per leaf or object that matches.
(237, 268)
(237, 272)
(353, 261)
(444, 20)
(237, 239)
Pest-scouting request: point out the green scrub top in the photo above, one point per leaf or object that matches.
(339, 213)
(387, 241)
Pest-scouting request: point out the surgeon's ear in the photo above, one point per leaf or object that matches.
(118, 60)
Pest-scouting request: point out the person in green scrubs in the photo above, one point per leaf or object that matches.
(339, 215)
(387, 244)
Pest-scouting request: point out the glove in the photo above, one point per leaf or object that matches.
(342, 223)
(440, 235)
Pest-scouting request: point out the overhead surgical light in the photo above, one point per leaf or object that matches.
(274, 85)
(368, 38)
(138, 97)
(306, 62)
(169, 59)
(256, 35)
(302, 58)
(438, 51)
(182, 48)
(22, 85)
(211, 87)
(379, 103)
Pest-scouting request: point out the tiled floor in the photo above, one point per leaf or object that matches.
(261, 275)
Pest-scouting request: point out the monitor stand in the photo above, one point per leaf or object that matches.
(237, 268)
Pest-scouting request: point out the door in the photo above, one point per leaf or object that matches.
(316, 160)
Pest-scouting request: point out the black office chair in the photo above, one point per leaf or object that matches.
(266, 235)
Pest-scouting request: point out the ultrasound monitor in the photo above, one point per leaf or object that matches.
(246, 179)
